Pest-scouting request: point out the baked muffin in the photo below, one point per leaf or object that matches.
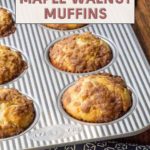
(64, 26)
(7, 24)
(97, 98)
(16, 112)
(11, 64)
(80, 53)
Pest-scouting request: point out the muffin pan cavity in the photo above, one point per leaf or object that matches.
(9, 59)
(121, 118)
(111, 45)
(36, 110)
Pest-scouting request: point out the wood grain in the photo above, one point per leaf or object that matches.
(142, 30)
(142, 25)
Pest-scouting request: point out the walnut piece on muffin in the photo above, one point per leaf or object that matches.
(17, 112)
(11, 64)
(7, 24)
(97, 98)
(64, 26)
(80, 53)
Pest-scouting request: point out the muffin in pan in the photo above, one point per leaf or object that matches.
(64, 26)
(7, 24)
(17, 112)
(11, 64)
(99, 98)
(80, 53)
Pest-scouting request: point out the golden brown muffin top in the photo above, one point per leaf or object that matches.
(7, 25)
(97, 98)
(16, 112)
(64, 26)
(11, 64)
(80, 53)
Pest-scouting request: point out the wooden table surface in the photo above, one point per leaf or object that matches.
(142, 30)
(142, 25)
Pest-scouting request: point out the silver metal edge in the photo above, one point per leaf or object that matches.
(66, 115)
(24, 72)
(133, 133)
(113, 47)
(36, 119)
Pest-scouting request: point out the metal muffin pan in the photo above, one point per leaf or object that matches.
(24, 71)
(45, 85)
(111, 44)
(129, 112)
(36, 119)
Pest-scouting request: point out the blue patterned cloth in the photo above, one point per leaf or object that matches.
(109, 145)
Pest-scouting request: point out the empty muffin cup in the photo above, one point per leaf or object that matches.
(81, 61)
(104, 115)
(13, 64)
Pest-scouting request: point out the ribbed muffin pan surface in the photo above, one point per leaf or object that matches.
(45, 85)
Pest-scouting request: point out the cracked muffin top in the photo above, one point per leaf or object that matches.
(16, 112)
(80, 53)
(7, 24)
(64, 26)
(11, 64)
(97, 98)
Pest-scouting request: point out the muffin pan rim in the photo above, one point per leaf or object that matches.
(112, 45)
(21, 75)
(57, 30)
(33, 124)
(135, 101)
